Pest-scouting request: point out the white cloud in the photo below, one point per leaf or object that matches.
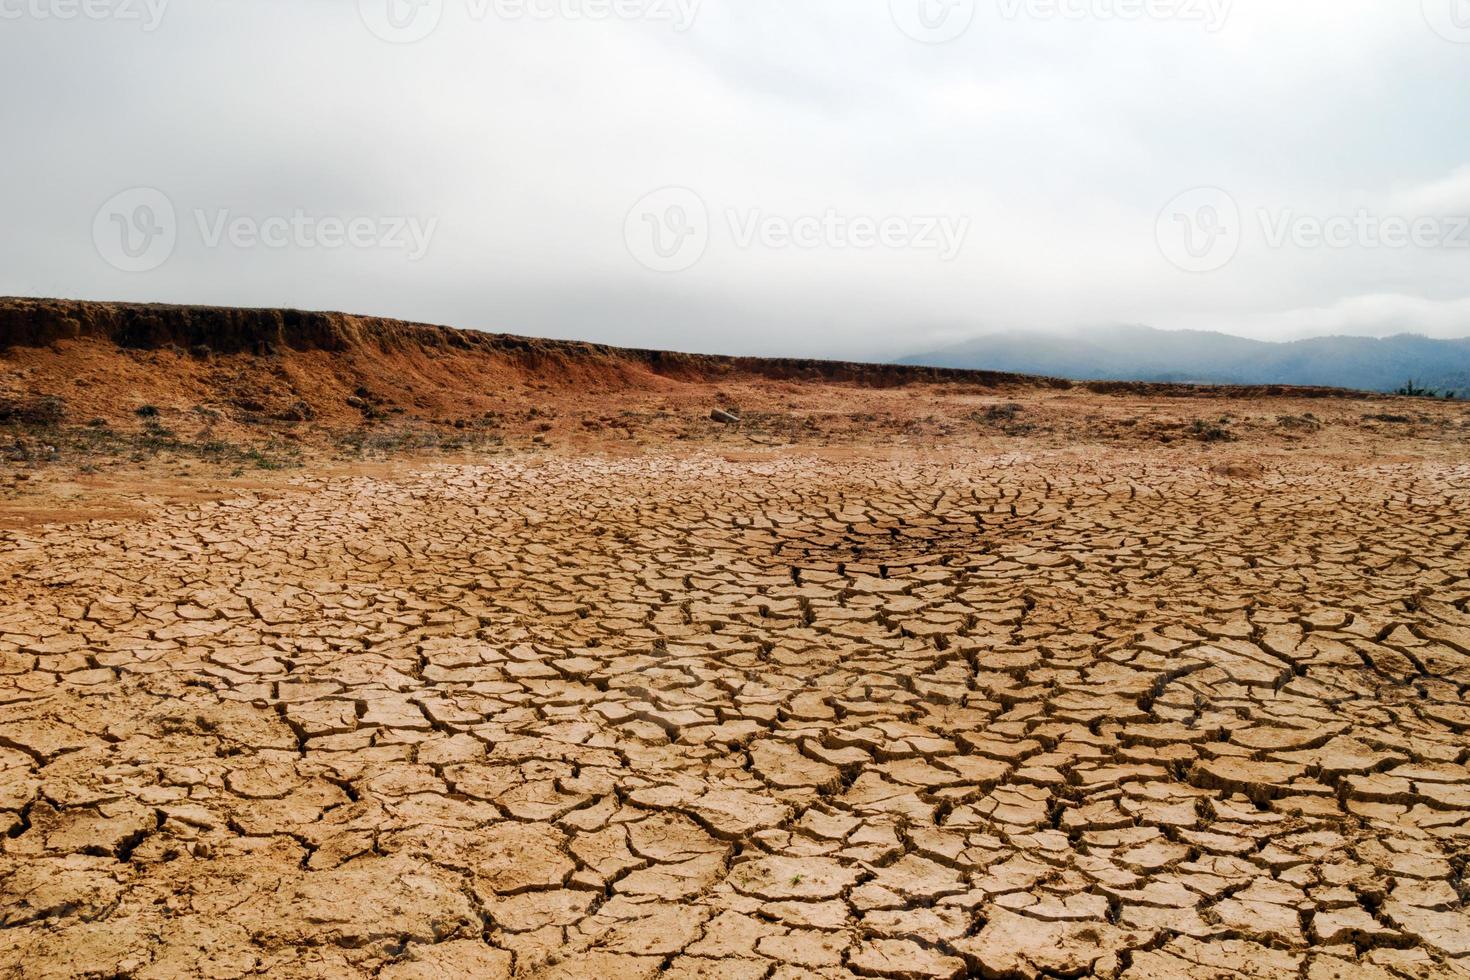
(529, 141)
(1379, 315)
(1447, 195)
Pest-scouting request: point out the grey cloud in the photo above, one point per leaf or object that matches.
(529, 141)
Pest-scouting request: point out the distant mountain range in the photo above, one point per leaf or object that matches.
(1198, 357)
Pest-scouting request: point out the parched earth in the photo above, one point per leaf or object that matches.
(1041, 713)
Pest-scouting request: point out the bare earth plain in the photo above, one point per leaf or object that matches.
(483, 663)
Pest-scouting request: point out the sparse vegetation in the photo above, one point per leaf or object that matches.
(365, 442)
(1306, 421)
(39, 410)
(998, 413)
(261, 461)
(1212, 431)
(1005, 417)
(1412, 390)
(94, 445)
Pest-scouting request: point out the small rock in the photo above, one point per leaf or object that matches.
(298, 411)
(722, 416)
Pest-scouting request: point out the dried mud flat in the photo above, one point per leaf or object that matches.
(1031, 713)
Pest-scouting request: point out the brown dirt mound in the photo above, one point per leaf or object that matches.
(265, 332)
(108, 360)
(289, 362)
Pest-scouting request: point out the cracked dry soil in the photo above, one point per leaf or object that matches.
(1022, 715)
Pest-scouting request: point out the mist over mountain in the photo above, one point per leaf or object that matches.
(1137, 353)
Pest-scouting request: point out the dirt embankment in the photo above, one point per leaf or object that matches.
(264, 332)
(376, 353)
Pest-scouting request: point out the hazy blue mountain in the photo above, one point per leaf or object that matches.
(1145, 354)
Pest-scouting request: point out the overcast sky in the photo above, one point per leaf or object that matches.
(834, 177)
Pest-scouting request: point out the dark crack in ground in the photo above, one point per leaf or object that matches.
(1059, 714)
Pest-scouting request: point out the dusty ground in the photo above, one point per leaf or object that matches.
(934, 681)
(802, 713)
